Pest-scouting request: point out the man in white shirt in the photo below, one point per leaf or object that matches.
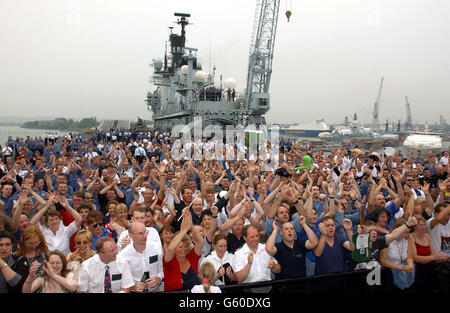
(145, 259)
(444, 158)
(252, 263)
(152, 235)
(439, 228)
(140, 153)
(102, 273)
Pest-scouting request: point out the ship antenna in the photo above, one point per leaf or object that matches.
(209, 65)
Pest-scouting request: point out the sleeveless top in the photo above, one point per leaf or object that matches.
(422, 250)
(42, 290)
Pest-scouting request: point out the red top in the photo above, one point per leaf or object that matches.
(422, 250)
(172, 272)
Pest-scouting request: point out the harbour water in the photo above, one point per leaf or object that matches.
(17, 131)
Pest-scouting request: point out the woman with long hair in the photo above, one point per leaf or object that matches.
(423, 253)
(55, 279)
(32, 245)
(84, 243)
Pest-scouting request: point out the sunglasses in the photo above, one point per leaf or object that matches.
(95, 225)
(82, 242)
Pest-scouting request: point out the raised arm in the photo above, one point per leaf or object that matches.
(270, 243)
(318, 250)
(186, 225)
(312, 241)
(72, 211)
(37, 217)
(197, 238)
(349, 244)
(231, 221)
(398, 232)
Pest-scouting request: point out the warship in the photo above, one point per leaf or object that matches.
(184, 92)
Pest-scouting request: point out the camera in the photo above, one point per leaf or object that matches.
(282, 172)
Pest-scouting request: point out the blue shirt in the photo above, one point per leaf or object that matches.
(332, 258)
(291, 260)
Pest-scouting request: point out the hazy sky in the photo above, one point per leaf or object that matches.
(82, 58)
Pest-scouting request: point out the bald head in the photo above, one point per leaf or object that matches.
(136, 227)
(138, 233)
(288, 232)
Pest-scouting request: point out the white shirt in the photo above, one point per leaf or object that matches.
(201, 289)
(438, 233)
(139, 152)
(7, 150)
(150, 260)
(152, 237)
(90, 155)
(398, 251)
(259, 270)
(60, 241)
(215, 260)
(92, 275)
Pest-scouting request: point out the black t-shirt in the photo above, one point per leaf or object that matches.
(233, 243)
(292, 261)
(377, 246)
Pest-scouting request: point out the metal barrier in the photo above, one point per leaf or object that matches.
(431, 278)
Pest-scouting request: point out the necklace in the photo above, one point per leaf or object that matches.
(400, 250)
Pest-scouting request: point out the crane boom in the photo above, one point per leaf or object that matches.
(376, 122)
(261, 56)
(408, 124)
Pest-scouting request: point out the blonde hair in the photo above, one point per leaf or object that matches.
(120, 208)
(207, 274)
(84, 233)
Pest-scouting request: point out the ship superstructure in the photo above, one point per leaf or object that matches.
(184, 91)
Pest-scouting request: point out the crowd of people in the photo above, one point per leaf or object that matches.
(213, 93)
(119, 213)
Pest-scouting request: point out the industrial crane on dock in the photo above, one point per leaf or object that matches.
(408, 124)
(376, 122)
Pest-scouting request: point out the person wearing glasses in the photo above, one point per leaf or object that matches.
(89, 198)
(413, 184)
(84, 242)
(94, 221)
(56, 278)
(104, 273)
(145, 259)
